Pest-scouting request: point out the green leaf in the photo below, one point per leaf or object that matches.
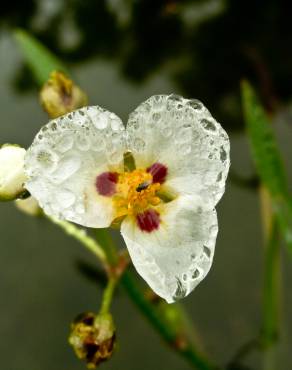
(267, 158)
(41, 61)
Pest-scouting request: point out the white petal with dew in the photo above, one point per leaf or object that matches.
(174, 259)
(183, 135)
(66, 157)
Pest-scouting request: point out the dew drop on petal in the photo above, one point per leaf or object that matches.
(156, 116)
(223, 154)
(207, 251)
(83, 142)
(195, 274)
(139, 145)
(98, 144)
(195, 104)
(65, 144)
(47, 159)
(184, 135)
(115, 157)
(208, 125)
(166, 132)
(99, 120)
(185, 149)
(115, 124)
(180, 291)
(65, 198)
(66, 168)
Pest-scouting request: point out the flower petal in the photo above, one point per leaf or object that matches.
(174, 257)
(182, 135)
(65, 160)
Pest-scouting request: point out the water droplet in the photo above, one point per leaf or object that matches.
(207, 251)
(65, 198)
(223, 154)
(193, 257)
(149, 260)
(99, 119)
(139, 145)
(98, 143)
(156, 116)
(66, 168)
(80, 209)
(154, 268)
(219, 177)
(185, 277)
(116, 124)
(213, 230)
(133, 124)
(209, 178)
(185, 149)
(53, 126)
(47, 160)
(115, 157)
(82, 142)
(65, 144)
(208, 125)
(184, 135)
(195, 274)
(166, 132)
(180, 290)
(195, 104)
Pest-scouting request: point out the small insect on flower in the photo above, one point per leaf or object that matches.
(161, 176)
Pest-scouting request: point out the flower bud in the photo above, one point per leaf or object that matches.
(29, 206)
(60, 95)
(93, 338)
(12, 176)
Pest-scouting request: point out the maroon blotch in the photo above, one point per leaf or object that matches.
(148, 220)
(106, 183)
(158, 172)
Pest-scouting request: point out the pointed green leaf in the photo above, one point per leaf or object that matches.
(41, 61)
(267, 158)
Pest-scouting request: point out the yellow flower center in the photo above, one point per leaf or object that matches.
(135, 192)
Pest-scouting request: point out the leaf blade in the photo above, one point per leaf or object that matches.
(267, 159)
(41, 61)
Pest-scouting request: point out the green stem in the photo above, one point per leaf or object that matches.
(106, 252)
(148, 309)
(153, 316)
(107, 244)
(271, 287)
(108, 295)
(80, 235)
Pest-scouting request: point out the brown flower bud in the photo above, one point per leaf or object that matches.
(60, 95)
(93, 338)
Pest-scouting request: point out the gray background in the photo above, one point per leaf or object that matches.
(41, 290)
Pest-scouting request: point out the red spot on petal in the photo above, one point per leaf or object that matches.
(106, 183)
(148, 220)
(158, 171)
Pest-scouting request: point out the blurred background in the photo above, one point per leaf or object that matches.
(121, 52)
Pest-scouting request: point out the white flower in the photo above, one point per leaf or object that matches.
(76, 171)
(12, 176)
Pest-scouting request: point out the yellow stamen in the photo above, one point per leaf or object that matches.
(132, 198)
